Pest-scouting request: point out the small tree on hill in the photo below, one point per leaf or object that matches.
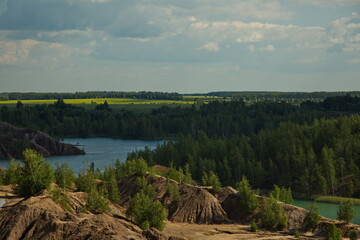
(272, 214)
(64, 175)
(282, 194)
(248, 200)
(211, 179)
(346, 211)
(34, 175)
(312, 218)
(333, 233)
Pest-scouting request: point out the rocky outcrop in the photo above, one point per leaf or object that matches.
(14, 140)
(40, 217)
(196, 205)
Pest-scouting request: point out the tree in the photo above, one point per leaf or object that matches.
(12, 173)
(272, 214)
(211, 179)
(333, 233)
(146, 212)
(312, 218)
(34, 175)
(282, 194)
(110, 184)
(96, 203)
(64, 175)
(248, 201)
(346, 212)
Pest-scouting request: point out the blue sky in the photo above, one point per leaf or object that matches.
(179, 45)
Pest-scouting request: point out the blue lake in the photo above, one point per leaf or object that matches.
(327, 210)
(102, 151)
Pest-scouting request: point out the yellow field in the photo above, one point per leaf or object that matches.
(102, 100)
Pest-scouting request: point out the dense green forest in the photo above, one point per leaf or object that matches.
(314, 148)
(90, 94)
(225, 119)
(318, 158)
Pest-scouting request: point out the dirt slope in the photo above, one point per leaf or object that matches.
(40, 217)
(14, 140)
(196, 205)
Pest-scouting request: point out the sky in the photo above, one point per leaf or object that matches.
(183, 46)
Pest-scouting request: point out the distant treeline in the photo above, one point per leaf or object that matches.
(216, 119)
(92, 94)
(320, 158)
(281, 96)
(224, 119)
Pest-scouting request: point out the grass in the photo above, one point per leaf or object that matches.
(337, 200)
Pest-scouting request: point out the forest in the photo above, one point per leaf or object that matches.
(313, 148)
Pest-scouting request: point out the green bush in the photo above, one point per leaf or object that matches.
(353, 235)
(96, 203)
(248, 201)
(333, 233)
(86, 181)
(110, 184)
(144, 187)
(296, 234)
(253, 227)
(272, 215)
(34, 175)
(282, 194)
(211, 179)
(312, 218)
(12, 173)
(346, 211)
(173, 190)
(64, 175)
(146, 212)
(61, 198)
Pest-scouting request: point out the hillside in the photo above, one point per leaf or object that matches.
(14, 140)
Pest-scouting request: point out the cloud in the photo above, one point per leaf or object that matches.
(354, 61)
(211, 46)
(329, 3)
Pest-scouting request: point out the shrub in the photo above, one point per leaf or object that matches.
(110, 184)
(146, 212)
(173, 190)
(96, 203)
(34, 175)
(62, 199)
(253, 227)
(346, 212)
(353, 235)
(282, 194)
(86, 180)
(272, 215)
(211, 179)
(333, 233)
(64, 175)
(312, 218)
(296, 234)
(12, 173)
(248, 202)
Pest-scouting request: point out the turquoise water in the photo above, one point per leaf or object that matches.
(327, 209)
(102, 151)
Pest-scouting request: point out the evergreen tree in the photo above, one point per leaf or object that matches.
(248, 201)
(64, 175)
(34, 175)
(346, 211)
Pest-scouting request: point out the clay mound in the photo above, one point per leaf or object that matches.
(40, 217)
(196, 205)
(14, 140)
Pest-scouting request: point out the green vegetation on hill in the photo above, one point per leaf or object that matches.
(324, 155)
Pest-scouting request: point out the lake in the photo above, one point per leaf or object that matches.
(102, 151)
(327, 209)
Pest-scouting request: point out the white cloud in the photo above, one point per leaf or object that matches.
(252, 37)
(354, 61)
(269, 48)
(329, 3)
(345, 31)
(211, 46)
